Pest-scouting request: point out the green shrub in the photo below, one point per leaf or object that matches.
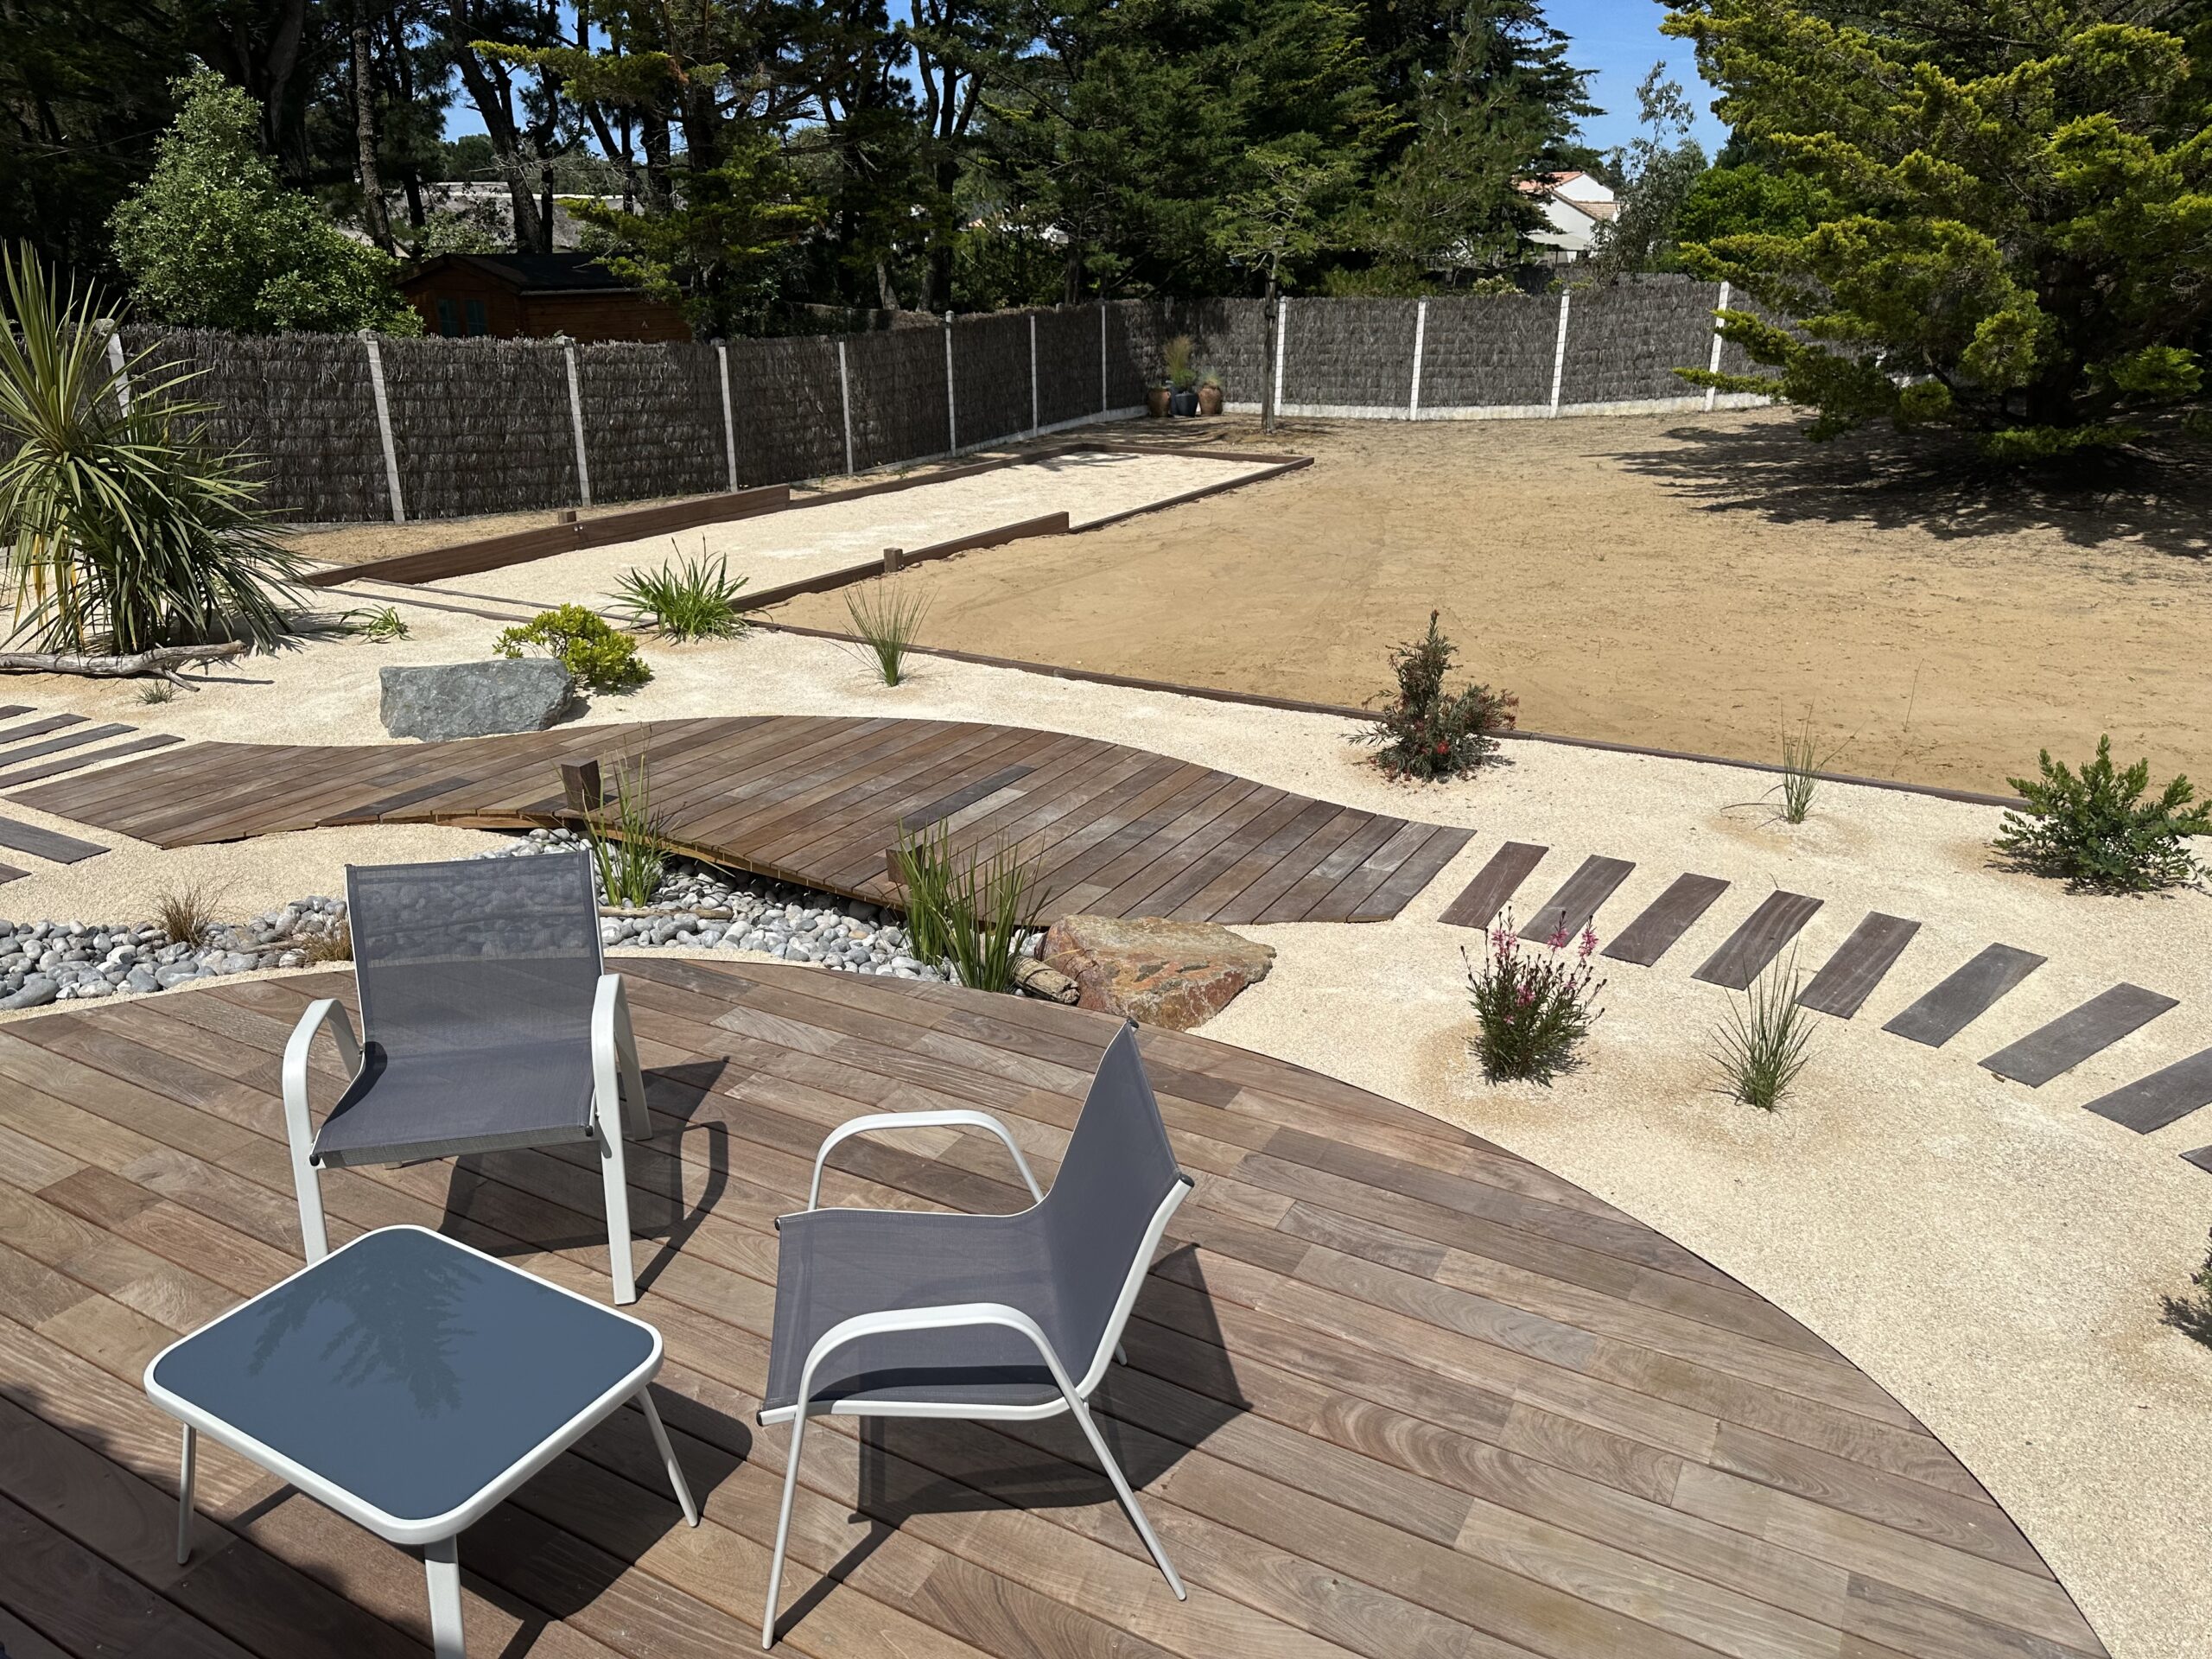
(2095, 828)
(1766, 1039)
(2191, 1315)
(1532, 1012)
(1422, 732)
(694, 599)
(598, 655)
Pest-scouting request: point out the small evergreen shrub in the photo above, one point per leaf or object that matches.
(2095, 828)
(1532, 1010)
(1423, 732)
(598, 655)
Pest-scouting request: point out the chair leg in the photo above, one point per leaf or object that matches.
(616, 1182)
(188, 1467)
(783, 1531)
(307, 1183)
(442, 1567)
(1128, 1498)
(637, 1117)
(668, 1457)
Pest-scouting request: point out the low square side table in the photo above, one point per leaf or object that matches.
(410, 1384)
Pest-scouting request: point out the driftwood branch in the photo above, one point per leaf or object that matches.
(160, 663)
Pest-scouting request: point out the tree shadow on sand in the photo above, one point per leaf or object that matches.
(2161, 497)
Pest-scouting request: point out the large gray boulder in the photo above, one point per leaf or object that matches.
(437, 700)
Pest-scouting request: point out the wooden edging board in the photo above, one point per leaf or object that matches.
(1051, 524)
(1342, 711)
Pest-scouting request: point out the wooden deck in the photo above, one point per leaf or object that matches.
(1394, 1393)
(1117, 830)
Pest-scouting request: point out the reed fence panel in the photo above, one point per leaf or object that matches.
(479, 425)
(788, 410)
(990, 377)
(652, 420)
(898, 396)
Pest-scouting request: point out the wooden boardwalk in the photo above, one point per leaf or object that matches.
(1392, 1392)
(1117, 830)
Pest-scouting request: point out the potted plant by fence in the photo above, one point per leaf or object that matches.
(1157, 399)
(1209, 392)
(1182, 378)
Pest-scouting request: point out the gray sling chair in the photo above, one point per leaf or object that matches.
(487, 1024)
(918, 1313)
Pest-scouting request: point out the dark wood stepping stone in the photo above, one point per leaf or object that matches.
(71, 762)
(1569, 910)
(1669, 915)
(1849, 977)
(9, 711)
(2153, 1102)
(10, 873)
(922, 816)
(1968, 994)
(40, 727)
(1493, 885)
(56, 744)
(1758, 941)
(44, 843)
(2202, 1158)
(2073, 1037)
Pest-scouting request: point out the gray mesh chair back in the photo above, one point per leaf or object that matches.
(1118, 1170)
(475, 953)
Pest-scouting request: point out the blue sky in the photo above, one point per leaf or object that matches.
(1619, 39)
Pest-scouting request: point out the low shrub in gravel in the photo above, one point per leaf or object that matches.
(2095, 830)
(598, 655)
(1423, 732)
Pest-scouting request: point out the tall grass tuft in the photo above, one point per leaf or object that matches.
(185, 914)
(692, 599)
(122, 527)
(628, 846)
(888, 616)
(1802, 762)
(968, 912)
(1766, 1039)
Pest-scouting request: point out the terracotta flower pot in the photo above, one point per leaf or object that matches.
(1209, 400)
(1156, 400)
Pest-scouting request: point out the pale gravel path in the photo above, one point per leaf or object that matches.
(1992, 1254)
(781, 547)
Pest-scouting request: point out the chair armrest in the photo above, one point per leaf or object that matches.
(298, 1127)
(944, 1316)
(958, 1118)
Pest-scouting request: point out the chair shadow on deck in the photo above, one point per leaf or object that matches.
(1179, 1387)
(657, 1207)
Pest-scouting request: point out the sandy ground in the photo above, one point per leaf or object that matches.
(1683, 581)
(782, 547)
(1992, 1255)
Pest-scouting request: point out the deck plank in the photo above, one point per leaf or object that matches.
(92, 758)
(47, 843)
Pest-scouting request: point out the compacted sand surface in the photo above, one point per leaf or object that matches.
(1993, 1255)
(1682, 581)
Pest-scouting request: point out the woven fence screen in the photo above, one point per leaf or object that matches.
(1624, 343)
(652, 420)
(990, 377)
(898, 394)
(1068, 360)
(1489, 352)
(788, 409)
(479, 425)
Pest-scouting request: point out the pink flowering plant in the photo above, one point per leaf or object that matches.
(1533, 1005)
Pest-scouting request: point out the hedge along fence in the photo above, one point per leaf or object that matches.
(348, 428)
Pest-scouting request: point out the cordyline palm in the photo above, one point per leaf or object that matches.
(120, 528)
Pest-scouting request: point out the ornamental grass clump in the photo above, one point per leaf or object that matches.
(2094, 829)
(1766, 1040)
(628, 844)
(691, 600)
(1532, 1007)
(968, 912)
(598, 655)
(887, 616)
(1425, 733)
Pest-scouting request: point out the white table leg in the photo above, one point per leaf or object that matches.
(668, 1457)
(441, 1565)
(184, 1498)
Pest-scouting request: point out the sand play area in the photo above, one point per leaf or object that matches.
(1682, 582)
(1992, 1255)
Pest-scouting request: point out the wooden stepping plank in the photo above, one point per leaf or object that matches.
(44, 843)
(1669, 915)
(40, 727)
(2202, 1158)
(2073, 1037)
(1569, 910)
(9, 711)
(1968, 994)
(56, 744)
(10, 873)
(922, 816)
(1494, 884)
(1849, 977)
(1758, 941)
(72, 762)
(2153, 1102)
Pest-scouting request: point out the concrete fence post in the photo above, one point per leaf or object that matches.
(576, 421)
(729, 420)
(1421, 339)
(1282, 339)
(384, 425)
(1712, 365)
(845, 402)
(1558, 353)
(117, 365)
(1035, 404)
(1103, 405)
(951, 407)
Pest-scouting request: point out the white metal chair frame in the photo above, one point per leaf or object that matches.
(1074, 1393)
(617, 1109)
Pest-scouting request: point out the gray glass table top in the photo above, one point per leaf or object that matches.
(406, 1370)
